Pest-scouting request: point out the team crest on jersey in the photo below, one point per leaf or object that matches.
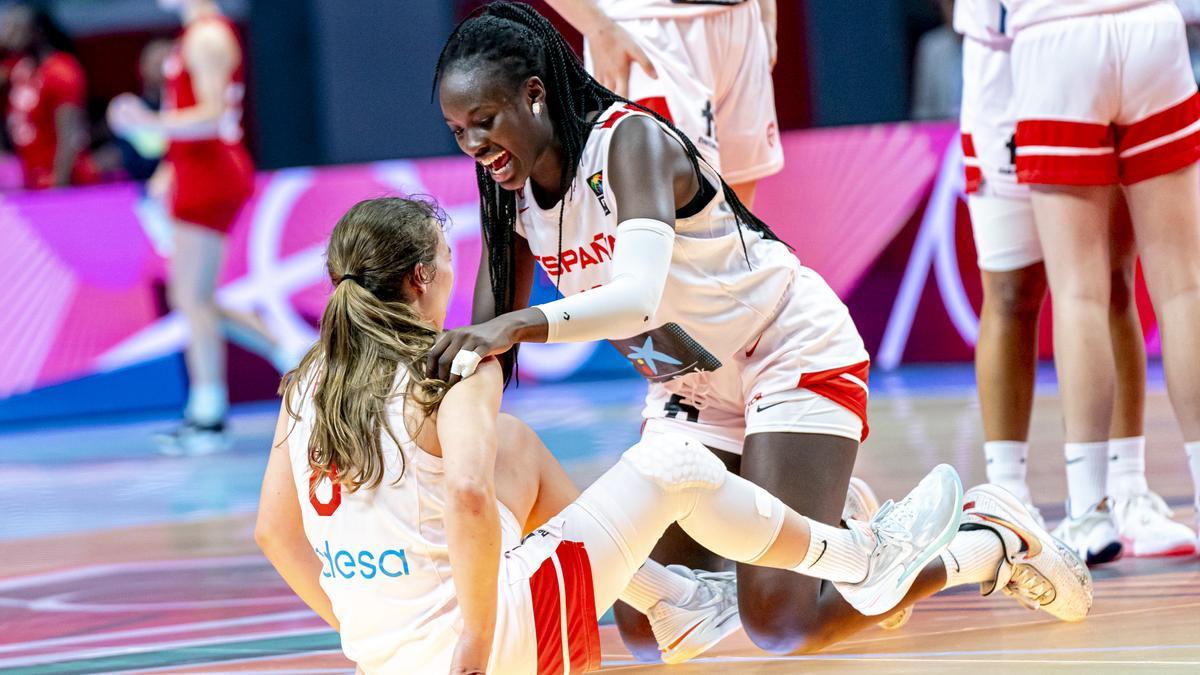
(596, 182)
(665, 353)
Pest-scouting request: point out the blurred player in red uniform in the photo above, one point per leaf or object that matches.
(205, 178)
(47, 90)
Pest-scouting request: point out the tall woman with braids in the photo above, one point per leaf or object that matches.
(743, 347)
(405, 533)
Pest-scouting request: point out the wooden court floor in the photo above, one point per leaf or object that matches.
(113, 559)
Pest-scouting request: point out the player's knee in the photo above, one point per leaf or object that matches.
(784, 632)
(635, 633)
(676, 462)
(1017, 295)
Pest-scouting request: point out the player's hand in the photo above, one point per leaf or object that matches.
(486, 339)
(470, 657)
(614, 53)
(127, 112)
(770, 28)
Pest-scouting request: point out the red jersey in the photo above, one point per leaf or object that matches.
(36, 93)
(179, 93)
(214, 176)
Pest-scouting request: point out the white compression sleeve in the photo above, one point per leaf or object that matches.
(626, 305)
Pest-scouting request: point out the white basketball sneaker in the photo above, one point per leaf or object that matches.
(1146, 529)
(907, 535)
(861, 505)
(1093, 535)
(686, 631)
(1037, 570)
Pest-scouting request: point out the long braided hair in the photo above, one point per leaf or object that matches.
(517, 41)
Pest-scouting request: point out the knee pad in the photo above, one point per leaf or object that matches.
(676, 462)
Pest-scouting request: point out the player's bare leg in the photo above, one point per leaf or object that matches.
(1166, 222)
(1125, 325)
(191, 291)
(1006, 363)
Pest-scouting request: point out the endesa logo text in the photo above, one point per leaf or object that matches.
(343, 564)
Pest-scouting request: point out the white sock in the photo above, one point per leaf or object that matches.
(835, 553)
(1006, 466)
(652, 583)
(1087, 475)
(972, 557)
(1193, 454)
(1127, 466)
(207, 403)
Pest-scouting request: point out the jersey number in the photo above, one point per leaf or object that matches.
(335, 499)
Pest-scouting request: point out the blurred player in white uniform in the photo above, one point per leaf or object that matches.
(705, 65)
(1014, 284)
(1105, 100)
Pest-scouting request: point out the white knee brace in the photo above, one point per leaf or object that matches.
(676, 462)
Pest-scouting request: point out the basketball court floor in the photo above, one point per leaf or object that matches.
(116, 559)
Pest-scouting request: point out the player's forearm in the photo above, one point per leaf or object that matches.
(473, 538)
(200, 122)
(72, 138)
(300, 568)
(769, 11)
(584, 15)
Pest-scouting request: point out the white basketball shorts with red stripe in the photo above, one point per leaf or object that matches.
(546, 614)
(805, 373)
(1105, 99)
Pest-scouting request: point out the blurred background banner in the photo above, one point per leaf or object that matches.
(862, 205)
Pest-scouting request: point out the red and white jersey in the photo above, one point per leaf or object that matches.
(36, 93)
(619, 10)
(385, 561)
(982, 20)
(1024, 13)
(180, 94)
(715, 302)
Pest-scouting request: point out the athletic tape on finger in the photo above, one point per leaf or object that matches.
(464, 364)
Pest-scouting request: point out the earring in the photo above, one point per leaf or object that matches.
(537, 107)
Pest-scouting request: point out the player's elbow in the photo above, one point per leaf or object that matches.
(469, 496)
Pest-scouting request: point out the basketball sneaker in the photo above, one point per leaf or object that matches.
(861, 505)
(194, 440)
(1146, 529)
(1037, 570)
(686, 631)
(906, 535)
(1093, 535)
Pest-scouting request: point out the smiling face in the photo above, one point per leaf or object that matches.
(493, 120)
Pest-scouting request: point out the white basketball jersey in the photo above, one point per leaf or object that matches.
(1023, 13)
(719, 295)
(385, 563)
(982, 20)
(619, 10)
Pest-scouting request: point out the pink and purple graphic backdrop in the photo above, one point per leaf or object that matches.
(877, 210)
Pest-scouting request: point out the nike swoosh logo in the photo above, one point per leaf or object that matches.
(520, 211)
(1075, 461)
(755, 347)
(824, 547)
(1033, 545)
(768, 407)
(681, 638)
